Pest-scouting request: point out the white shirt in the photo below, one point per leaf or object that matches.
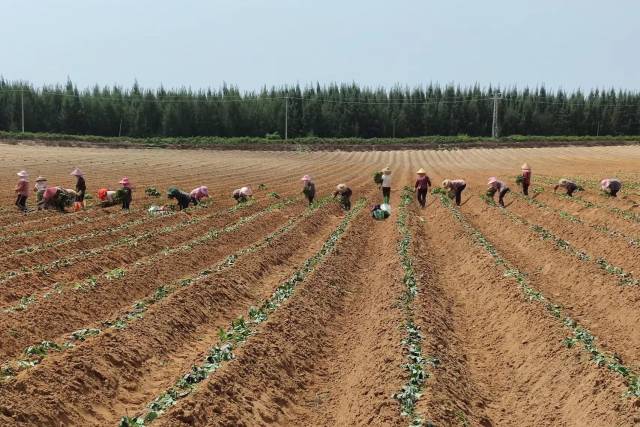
(41, 185)
(386, 180)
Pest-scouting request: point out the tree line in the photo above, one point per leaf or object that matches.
(333, 111)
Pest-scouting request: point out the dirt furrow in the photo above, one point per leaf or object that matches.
(495, 369)
(171, 337)
(582, 288)
(328, 356)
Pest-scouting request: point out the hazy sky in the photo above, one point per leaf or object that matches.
(251, 43)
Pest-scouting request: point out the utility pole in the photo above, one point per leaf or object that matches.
(22, 104)
(286, 117)
(494, 126)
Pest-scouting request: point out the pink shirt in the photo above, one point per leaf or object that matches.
(22, 188)
(199, 193)
(499, 185)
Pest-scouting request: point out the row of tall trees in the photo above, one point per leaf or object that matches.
(346, 110)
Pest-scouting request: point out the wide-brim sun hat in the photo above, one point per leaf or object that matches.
(305, 178)
(446, 183)
(124, 181)
(22, 174)
(386, 170)
(526, 167)
(76, 172)
(41, 178)
(492, 180)
(341, 187)
(204, 190)
(421, 171)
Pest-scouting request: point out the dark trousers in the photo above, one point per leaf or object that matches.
(501, 196)
(458, 194)
(194, 201)
(570, 191)
(525, 188)
(126, 203)
(21, 203)
(614, 193)
(386, 193)
(346, 203)
(310, 198)
(422, 196)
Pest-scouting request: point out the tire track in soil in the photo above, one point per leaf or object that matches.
(289, 372)
(585, 291)
(495, 368)
(174, 334)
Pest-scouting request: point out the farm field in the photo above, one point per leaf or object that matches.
(277, 313)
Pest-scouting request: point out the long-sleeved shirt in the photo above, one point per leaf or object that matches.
(199, 193)
(41, 186)
(499, 186)
(81, 185)
(126, 194)
(386, 180)
(457, 184)
(611, 184)
(567, 185)
(22, 188)
(346, 193)
(526, 175)
(309, 189)
(423, 183)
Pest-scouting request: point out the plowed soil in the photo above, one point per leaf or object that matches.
(147, 297)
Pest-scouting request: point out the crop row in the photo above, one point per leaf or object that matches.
(579, 334)
(64, 226)
(412, 343)
(625, 214)
(124, 241)
(632, 240)
(92, 282)
(625, 278)
(31, 357)
(240, 330)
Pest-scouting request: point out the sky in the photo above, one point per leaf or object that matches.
(568, 44)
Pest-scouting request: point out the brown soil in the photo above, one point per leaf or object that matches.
(332, 354)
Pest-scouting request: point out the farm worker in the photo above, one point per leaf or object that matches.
(242, 194)
(386, 184)
(569, 186)
(422, 187)
(57, 198)
(380, 211)
(499, 187)
(345, 196)
(22, 190)
(125, 192)
(308, 188)
(81, 188)
(198, 194)
(181, 197)
(611, 186)
(526, 178)
(107, 197)
(456, 186)
(39, 188)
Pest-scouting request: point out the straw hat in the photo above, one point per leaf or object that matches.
(22, 174)
(446, 183)
(341, 187)
(305, 178)
(492, 180)
(76, 172)
(386, 170)
(421, 172)
(526, 167)
(563, 181)
(124, 181)
(41, 178)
